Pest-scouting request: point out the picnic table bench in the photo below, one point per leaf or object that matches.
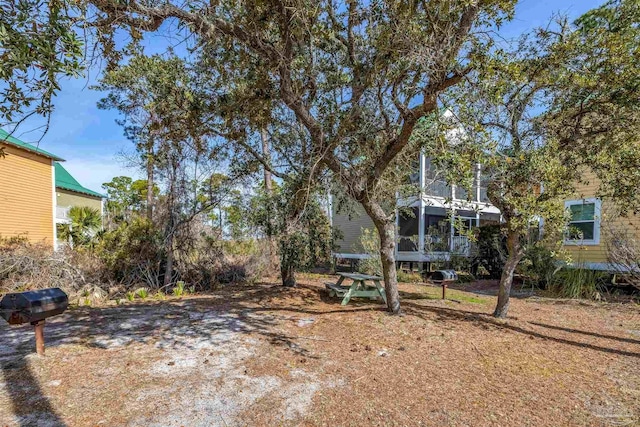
(359, 287)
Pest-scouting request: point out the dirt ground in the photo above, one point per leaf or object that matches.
(266, 355)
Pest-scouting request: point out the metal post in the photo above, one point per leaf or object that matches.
(38, 327)
(444, 290)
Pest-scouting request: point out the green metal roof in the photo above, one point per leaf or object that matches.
(5, 138)
(65, 181)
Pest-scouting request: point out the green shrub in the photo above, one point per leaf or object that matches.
(371, 244)
(464, 277)
(178, 290)
(578, 283)
(133, 253)
(492, 251)
(409, 277)
(539, 265)
(459, 263)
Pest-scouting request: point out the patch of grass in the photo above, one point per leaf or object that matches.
(160, 296)
(465, 297)
(130, 296)
(435, 293)
(428, 293)
(179, 290)
(142, 293)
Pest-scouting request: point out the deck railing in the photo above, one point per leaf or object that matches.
(460, 245)
(62, 212)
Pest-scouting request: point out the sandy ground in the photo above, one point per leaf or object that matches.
(266, 355)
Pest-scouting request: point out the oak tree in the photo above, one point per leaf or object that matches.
(356, 77)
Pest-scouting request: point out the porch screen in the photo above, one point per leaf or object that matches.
(408, 226)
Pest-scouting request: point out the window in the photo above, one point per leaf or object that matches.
(584, 222)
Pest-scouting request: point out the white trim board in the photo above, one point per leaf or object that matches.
(55, 205)
(600, 266)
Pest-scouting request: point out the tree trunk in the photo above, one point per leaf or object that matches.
(288, 273)
(168, 271)
(387, 231)
(266, 154)
(150, 178)
(515, 254)
(388, 258)
(268, 188)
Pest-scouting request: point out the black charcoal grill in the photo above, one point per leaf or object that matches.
(34, 307)
(442, 276)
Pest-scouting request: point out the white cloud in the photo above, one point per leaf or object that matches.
(94, 171)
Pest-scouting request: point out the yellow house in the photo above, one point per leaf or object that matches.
(27, 198)
(36, 192)
(591, 218)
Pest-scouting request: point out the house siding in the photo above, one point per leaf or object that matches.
(581, 254)
(350, 225)
(26, 205)
(65, 198)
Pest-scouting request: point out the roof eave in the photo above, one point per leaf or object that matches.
(96, 195)
(33, 150)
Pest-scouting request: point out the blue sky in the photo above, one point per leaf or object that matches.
(93, 144)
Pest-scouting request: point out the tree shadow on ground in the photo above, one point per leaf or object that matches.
(485, 320)
(179, 323)
(30, 405)
(188, 324)
(255, 310)
(593, 334)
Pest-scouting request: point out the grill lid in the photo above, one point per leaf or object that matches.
(33, 306)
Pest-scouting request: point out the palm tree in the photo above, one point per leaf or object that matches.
(85, 224)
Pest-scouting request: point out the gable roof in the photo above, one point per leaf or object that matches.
(5, 138)
(65, 181)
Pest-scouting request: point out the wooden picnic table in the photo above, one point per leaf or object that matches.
(359, 287)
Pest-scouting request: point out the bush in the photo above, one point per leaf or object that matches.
(371, 245)
(578, 283)
(411, 277)
(129, 262)
(623, 250)
(459, 263)
(539, 265)
(133, 254)
(492, 251)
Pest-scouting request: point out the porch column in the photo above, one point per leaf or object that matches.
(421, 226)
(452, 228)
(423, 181)
(478, 178)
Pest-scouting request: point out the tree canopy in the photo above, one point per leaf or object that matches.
(39, 44)
(562, 101)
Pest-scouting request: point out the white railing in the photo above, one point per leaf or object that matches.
(62, 212)
(460, 245)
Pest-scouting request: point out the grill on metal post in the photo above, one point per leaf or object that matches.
(444, 277)
(34, 307)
